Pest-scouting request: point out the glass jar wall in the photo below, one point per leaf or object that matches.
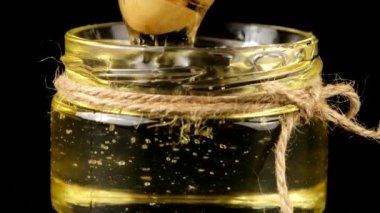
(112, 160)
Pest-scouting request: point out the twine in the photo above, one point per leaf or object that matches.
(311, 102)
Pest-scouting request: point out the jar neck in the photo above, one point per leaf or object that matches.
(101, 55)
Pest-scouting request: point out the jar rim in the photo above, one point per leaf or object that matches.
(73, 35)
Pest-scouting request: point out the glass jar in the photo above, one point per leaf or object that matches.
(104, 159)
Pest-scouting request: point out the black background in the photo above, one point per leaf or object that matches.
(348, 46)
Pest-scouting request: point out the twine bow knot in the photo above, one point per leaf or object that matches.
(311, 102)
